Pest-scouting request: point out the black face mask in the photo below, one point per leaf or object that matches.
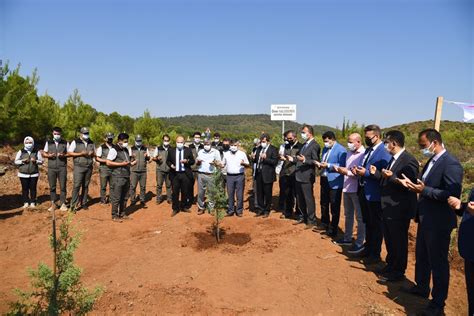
(226, 147)
(109, 140)
(369, 141)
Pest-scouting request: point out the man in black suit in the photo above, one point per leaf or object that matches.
(266, 158)
(441, 178)
(305, 176)
(465, 244)
(180, 160)
(398, 205)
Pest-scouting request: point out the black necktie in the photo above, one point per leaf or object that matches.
(180, 158)
(390, 163)
(367, 158)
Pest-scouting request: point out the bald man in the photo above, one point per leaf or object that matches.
(180, 160)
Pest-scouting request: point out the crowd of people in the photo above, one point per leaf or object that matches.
(378, 181)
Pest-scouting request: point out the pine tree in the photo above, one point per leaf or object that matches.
(217, 200)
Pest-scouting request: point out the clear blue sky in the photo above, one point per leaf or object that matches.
(381, 61)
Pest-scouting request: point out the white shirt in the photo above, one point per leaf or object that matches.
(98, 152)
(56, 143)
(395, 157)
(156, 151)
(206, 158)
(177, 162)
(18, 162)
(232, 161)
(432, 162)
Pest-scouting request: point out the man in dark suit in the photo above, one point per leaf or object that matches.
(266, 158)
(465, 242)
(441, 178)
(305, 176)
(195, 147)
(398, 205)
(180, 161)
(369, 193)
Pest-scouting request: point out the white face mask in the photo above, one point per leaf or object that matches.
(207, 147)
(351, 146)
(304, 136)
(233, 148)
(28, 146)
(85, 136)
(427, 152)
(56, 137)
(264, 145)
(179, 145)
(125, 144)
(216, 140)
(327, 144)
(197, 140)
(166, 144)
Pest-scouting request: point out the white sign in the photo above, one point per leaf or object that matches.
(283, 112)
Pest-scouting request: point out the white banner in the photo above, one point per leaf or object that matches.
(468, 109)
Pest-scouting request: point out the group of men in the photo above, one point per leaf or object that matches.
(380, 185)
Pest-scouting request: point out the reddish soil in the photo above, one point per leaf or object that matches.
(157, 264)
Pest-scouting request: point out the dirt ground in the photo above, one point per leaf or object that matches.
(157, 264)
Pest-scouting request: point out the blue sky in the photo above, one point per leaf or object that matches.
(379, 61)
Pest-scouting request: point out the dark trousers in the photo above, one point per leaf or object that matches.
(288, 186)
(180, 187)
(395, 232)
(105, 178)
(135, 179)
(81, 180)
(372, 217)
(54, 176)
(191, 188)
(432, 246)
(28, 189)
(264, 194)
(469, 272)
(304, 192)
(163, 177)
(119, 193)
(235, 191)
(330, 200)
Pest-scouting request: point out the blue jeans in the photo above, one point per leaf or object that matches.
(235, 189)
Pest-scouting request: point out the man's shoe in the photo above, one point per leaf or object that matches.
(329, 233)
(355, 249)
(432, 310)
(239, 214)
(52, 207)
(159, 201)
(168, 201)
(174, 213)
(25, 206)
(371, 260)
(298, 222)
(319, 228)
(201, 211)
(186, 210)
(265, 215)
(124, 217)
(416, 291)
(229, 214)
(383, 271)
(343, 242)
(309, 226)
(116, 219)
(258, 214)
(392, 277)
(63, 208)
(85, 207)
(32, 205)
(143, 205)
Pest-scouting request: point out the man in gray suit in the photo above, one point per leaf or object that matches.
(305, 177)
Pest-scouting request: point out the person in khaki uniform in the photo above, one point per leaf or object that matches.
(83, 152)
(162, 170)
(141, 155)
(105, 172)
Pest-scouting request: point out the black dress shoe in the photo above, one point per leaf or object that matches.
(298, 222)
(186, 210)
(174, 213)
(258, 214)
(371, 260)
(265, 215)
(392, 277)
(143, 205)
(415, 290)
(85, 207)
(382, 271)
(229, 215)
(239, 214)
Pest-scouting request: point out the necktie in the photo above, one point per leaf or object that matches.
(390, 163)
(180, 158)
(367, 158)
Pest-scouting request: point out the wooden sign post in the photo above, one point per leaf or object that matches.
(439, 109)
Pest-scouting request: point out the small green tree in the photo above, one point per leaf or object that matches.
(217, 200)
(57, 291)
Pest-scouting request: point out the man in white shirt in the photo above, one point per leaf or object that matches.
(234, 163)
(206, 160)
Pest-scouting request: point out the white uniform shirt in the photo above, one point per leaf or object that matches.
(232, 162)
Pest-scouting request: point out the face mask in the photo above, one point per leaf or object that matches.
(233, 149)
(427, 152)
(166, 144)
(197, 140)
(56, 137)
(264, 145)
(179, 145)
(287, 142)
(28, 146)
(369, 142)
(85, 136)
(207, 147)
(327, 145)
(216, 140)
(125, 145)
(386, 147)
(351, 146)
(110, 140)
(304, 136)
(226, 147)
(138, 143)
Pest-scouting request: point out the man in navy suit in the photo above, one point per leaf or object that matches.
(369, 192)
(334, 155)
(466, 242)
(441, 178)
